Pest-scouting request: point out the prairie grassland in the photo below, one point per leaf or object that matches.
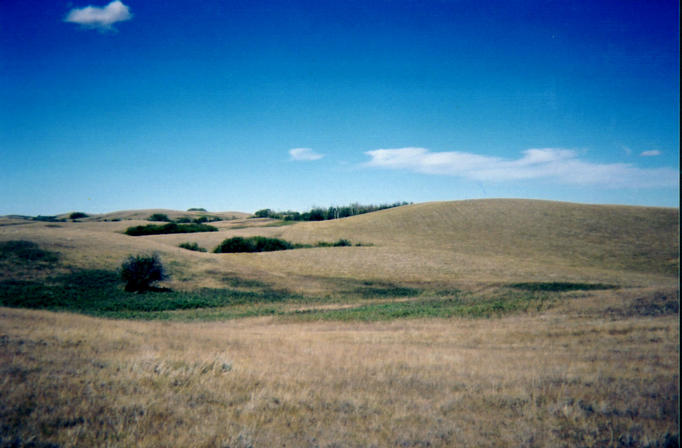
(591, 373)
(596, 368)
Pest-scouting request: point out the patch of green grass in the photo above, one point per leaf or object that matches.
(458, 305)
(154, 229)
(561, 286)
(100, 293)
(238, 282)
(279, 223)
(379, 290)
(26, 252)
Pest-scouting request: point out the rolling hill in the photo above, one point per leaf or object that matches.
(451, 243)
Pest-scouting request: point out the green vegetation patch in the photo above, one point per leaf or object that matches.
(155, 229)
(100, 293)
(339, 243)
(252, 244)
(322, 214)
(238, 282)
(561, 286)
(379, 290)
(457, 305)
(240, 244)
(192, 246)
(48, 219)
(160, 217)
(25, 252)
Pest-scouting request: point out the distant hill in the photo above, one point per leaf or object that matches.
(143, 214)
(643, 239)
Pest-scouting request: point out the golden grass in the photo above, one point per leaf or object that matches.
(599, 369)
(577, 376)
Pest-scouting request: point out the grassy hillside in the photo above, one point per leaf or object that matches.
(610, 237)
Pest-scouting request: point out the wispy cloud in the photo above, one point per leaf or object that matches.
(305, 154)
(650, 153)
(554, 164)
(101, 18)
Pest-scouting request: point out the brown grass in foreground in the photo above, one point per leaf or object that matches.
(590, 374)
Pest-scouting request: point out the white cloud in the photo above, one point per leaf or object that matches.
(98, 17)
(305, 154)
(650, 153)
(555, 164)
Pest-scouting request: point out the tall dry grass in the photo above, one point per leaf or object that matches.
(585, 375)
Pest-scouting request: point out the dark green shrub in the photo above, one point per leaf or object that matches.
(339, 243)
(196, 209)
(141, 271)
(252, 244)
(171, 227)
(183, 220)
(161, 217)
(206, 218)
(236, 244)
(265, 213)
(78, 215)
(192, 246)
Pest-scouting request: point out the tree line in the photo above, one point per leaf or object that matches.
(323, 214)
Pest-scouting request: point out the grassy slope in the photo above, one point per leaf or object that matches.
(564, 379)
(613, 237)
(473, 242)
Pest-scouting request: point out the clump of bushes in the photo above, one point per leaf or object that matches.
(263, 244)
(196, 209)
(161, 217)
(47, 218)
(154, 229)
(78, 215)
(141, 272)
(192, 246)
(199, 220)
(252, 244)
(207, 218)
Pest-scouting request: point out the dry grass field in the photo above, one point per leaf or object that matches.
(421, 337)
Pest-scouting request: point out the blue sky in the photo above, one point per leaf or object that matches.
(242, 105)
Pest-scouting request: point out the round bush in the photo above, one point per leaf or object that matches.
(141, 271)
